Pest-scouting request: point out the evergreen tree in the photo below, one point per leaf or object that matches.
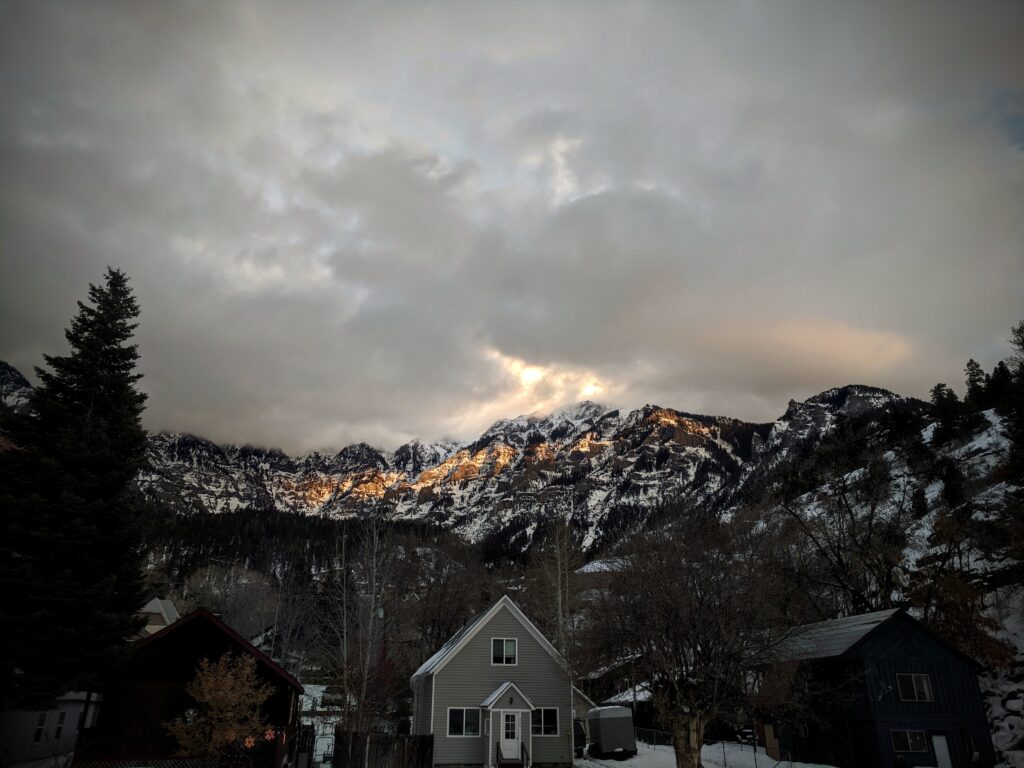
(1000, 383)
(1011, 523)
(977, 384)
(70, 555)
(947, 409)
(1013, 408)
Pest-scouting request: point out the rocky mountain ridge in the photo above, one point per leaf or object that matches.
(607, 471)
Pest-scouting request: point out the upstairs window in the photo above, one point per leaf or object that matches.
(40, 728)
(545, 722)
(503, 650)
(60, 725)
(914, 687)
(908, 741)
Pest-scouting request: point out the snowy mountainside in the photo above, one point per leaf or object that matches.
(607, 471)
(14, 388)
(808, 421)
(585, 461)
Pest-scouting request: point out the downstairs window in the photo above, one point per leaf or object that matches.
(463, 722)
(908, 741)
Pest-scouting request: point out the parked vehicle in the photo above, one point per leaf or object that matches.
(611, 732)
(579, 736)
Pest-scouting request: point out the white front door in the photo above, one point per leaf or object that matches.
(510, 735)
(941, 752)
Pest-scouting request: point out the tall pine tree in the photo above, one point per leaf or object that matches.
(977, 384)
(70, 554)
(1011, 535)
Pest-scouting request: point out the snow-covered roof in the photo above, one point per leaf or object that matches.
(618, 663)
(639, 692)
(457, 641)
(828, 639)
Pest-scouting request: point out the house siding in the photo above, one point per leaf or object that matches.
(421, 715)
(469, 677)
(957, 711)
(18, 729)
(858, 732)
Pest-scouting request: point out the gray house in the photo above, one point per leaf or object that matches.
(496, 692)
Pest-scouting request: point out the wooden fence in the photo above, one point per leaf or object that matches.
(382, 750)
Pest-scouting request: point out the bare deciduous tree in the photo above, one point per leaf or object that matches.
(858, 528)
(357, 615)
(696, 609)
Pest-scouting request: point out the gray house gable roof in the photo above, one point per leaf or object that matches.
(458, 641)
(498, 692)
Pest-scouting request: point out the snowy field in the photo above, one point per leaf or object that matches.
(712, 756)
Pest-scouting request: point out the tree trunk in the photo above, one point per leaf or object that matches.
(687, 735)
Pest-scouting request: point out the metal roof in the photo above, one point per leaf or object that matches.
(829, 639)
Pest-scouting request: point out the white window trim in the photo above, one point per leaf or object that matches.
(490, 650)
(558, 724)
(463, 735)
(913, 685)
(908, 750)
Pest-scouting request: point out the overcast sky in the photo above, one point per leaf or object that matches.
(360, 221)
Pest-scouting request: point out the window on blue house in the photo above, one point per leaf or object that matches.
(914, 687)
(908, 741)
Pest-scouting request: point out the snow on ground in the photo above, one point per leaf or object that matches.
(1003, 690)
(712, 756)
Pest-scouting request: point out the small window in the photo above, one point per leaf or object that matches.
(463, 722)
(40, 728)
(503, 650)
(60, 725)
(544, 722)
(908, 741)
(914, 687)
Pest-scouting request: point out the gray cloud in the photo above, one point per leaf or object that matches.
(362, 222)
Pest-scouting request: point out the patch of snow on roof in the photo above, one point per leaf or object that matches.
(639, 692)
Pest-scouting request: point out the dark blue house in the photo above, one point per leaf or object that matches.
(891, 693)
